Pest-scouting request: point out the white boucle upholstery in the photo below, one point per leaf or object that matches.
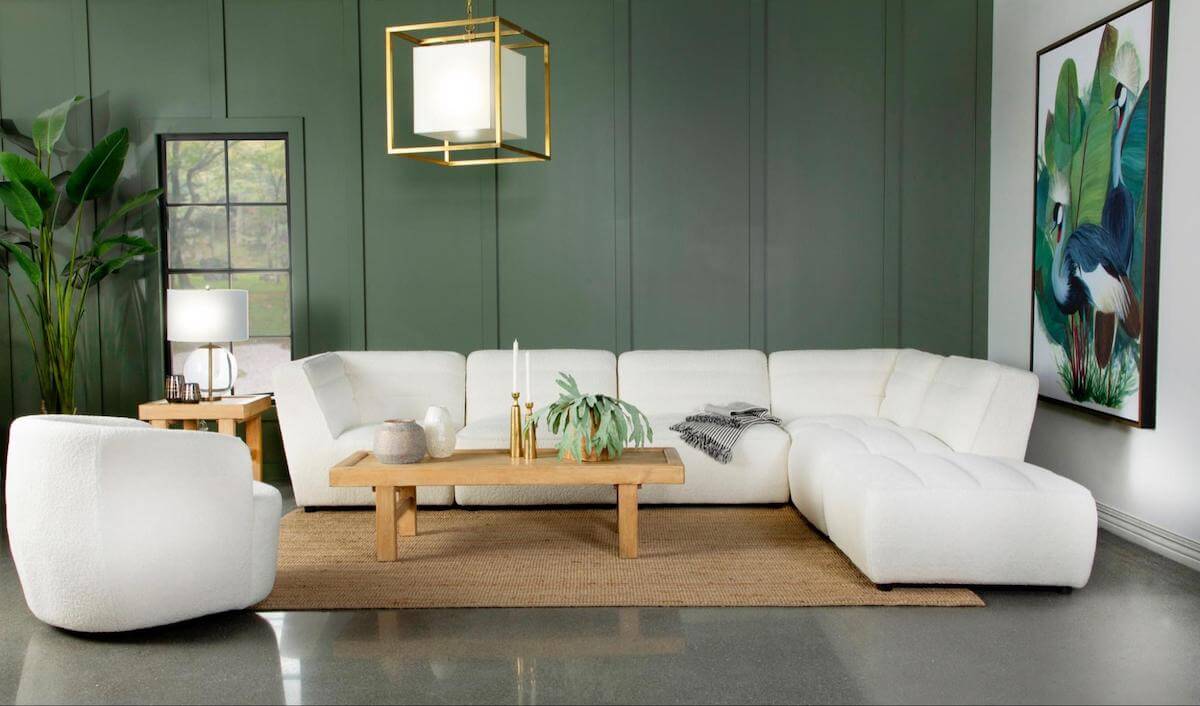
(756, 474)
(115, 525)
(332, 391)
(829, 382)
(1005, 428)
(957, 400)
(382, 385)
(670, 382)
(489, 379)
(875, 451)
(907, 385)
(960, 519)
(405, 384)
(817, 442)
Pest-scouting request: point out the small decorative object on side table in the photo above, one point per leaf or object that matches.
(227, 411)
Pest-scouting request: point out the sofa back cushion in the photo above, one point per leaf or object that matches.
(957, 400)
(678, 382)
(907, 385)
(331, 387)
(489, 378)
(852, 382)
(404, 384)
(1009, 417)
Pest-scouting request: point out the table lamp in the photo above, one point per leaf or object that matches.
(206, 316)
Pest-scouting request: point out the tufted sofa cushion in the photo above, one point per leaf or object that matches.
(818, 442)
(829, 382)
(960, 518)
(489, 379)
(675, 382)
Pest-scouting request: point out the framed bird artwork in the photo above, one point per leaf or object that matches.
(1097, 202)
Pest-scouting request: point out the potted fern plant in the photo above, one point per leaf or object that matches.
(593, 427)
(60, 264)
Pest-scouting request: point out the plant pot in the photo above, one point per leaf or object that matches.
(584, 456)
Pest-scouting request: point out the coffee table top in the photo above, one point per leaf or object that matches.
(496, 467)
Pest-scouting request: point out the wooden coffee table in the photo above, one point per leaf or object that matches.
(396, 485)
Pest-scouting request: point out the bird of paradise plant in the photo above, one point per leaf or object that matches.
(61, 270)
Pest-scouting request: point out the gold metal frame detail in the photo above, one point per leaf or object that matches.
(504, 35)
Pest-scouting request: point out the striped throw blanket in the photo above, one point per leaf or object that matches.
(716, 429)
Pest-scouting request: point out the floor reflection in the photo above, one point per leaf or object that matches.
(176, 664)
(449, 656)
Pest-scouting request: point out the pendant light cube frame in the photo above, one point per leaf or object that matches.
(501, 34)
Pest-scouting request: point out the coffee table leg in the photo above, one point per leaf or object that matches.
(385, 523)
(627, 520)
(407, 501)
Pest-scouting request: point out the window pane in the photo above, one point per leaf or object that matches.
(200, 280)
(257, 171)
(256, 360)
(198, 237)
(259, 236)
(195, 171)
(270, 302)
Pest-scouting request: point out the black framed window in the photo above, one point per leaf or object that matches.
(227, 224)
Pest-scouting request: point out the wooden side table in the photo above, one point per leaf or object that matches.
(227, 412)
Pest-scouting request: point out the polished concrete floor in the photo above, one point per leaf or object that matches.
(1132, 636)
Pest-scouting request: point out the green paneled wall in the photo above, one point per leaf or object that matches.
(727, 173)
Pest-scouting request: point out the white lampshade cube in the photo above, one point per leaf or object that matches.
(208, 315)
(454, 95)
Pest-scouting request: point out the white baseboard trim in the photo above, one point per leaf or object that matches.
(1158, 540)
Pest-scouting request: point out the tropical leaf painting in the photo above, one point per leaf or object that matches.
(1091, 324)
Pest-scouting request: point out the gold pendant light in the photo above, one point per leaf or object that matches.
(468, 91)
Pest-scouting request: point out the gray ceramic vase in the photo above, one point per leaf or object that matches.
(399, 441)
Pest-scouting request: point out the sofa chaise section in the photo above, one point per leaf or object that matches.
(330, 404)
(911, 518)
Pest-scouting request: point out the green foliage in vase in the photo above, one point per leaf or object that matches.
(593, 424)
(1078, 146)
(60, 262)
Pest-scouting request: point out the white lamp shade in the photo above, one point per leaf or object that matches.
(453, 95)
(208, 315)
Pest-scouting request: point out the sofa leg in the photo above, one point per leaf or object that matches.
(885, 587)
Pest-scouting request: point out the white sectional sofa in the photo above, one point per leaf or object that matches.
(910, 462)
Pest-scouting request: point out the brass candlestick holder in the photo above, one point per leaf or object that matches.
(530, 435)
(514, 431)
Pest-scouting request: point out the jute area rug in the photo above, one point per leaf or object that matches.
(563, 557)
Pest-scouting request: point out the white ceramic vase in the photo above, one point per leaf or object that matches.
(439, 432)
(399, 441)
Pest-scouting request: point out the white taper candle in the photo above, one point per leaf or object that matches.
(516, 349)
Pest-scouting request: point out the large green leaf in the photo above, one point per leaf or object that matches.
(1133, 151)
(50, 124)
(64, 207)
(18, 253)
(98, 172)
(27, 174)
(133, 204)
(1068, 117)
(22, 204)
(1103, 83)
(1048, 141)
(1090, 169)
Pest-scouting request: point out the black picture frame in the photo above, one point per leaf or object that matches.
(1148, 369)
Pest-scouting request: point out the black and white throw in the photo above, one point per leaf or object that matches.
(716, 429)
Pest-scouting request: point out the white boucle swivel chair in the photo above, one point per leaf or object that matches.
(115, 525)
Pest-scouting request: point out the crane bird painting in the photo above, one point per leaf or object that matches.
(1097, 200)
